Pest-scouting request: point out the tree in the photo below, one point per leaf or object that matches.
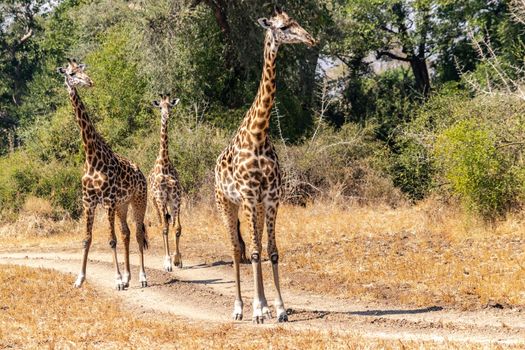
(18, 26)
(423, 33)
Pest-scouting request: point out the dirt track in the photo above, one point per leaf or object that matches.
(204, 293)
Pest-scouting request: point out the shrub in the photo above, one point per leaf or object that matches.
(475, 169)
(62, 186)
(18, 176)
(347, 164)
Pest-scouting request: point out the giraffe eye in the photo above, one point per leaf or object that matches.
(73, 74)
(286, 27)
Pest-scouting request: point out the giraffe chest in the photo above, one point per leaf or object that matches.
(109, 188)
(249, 174)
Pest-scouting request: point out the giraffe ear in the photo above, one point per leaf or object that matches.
(264, 22)
(174, 102)
(156, 104)
(61, 70)
(277, 10)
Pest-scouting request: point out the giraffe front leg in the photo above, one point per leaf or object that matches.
(165, 221)
(119, 285)
(89, 213)
(260, 228)
(250, 212)
(271, 215)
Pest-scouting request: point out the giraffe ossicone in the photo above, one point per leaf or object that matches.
(165, 188)
(248, 176)
(109, 180)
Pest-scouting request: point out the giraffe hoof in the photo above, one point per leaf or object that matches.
(177, 261)
(144, 284)
(237, 317)
(120, 286)
(168, 268)
(80, 280)
(258, 320)
(282, 318)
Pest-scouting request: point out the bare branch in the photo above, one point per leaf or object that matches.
(392, 55)
(26, 36)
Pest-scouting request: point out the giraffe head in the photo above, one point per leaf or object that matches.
(286, 30)
(165, 104)
(74, 74)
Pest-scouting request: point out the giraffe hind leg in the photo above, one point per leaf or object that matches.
(177, 258)
(89, 214)
(229, 214)
(139, 210)
(122, 213)
(119, 285)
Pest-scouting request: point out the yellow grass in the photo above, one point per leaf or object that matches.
(40, 310)
(422, 255)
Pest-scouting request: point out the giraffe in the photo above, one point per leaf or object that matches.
(247, 173)
(109, 180)
(165, 187)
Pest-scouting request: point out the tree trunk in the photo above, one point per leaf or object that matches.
(420, 70)
(232, 63)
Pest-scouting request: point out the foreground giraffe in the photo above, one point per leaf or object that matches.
(109, 180)
(247, 173)
(165, 187)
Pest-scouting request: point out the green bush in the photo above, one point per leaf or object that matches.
(412, 168)
(18, 177)
(62, 186)
(475, 169)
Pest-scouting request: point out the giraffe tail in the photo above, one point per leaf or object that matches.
(241, 242)
(145, 242)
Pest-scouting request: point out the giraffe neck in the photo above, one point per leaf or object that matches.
(87, 131)
(257, 120)
(163, 156)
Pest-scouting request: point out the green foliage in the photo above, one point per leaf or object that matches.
(388, 99)
(475, 168)
(55, 139)
(18, 177)
(412, 168)
(467, 147)
(388, 128)
(117, 100)
(61, 185)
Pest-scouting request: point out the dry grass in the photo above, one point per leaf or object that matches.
(421, 255)
(39, 309)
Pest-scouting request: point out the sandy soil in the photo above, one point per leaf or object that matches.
(203, 292)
